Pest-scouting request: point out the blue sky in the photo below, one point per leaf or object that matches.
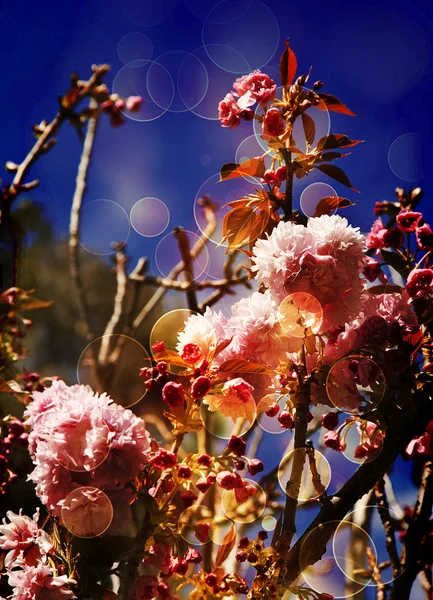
(376, 56)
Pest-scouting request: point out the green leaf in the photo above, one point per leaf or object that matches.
(288, 66)
(337, 174)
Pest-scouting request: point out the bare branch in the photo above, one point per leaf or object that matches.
(74, 225)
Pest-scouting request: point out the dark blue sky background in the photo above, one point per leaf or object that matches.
(375, 56)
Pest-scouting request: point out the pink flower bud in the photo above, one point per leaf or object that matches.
(133, 103)
(424, 237)
(281, 173)
(273, 123)
(408, 220)
(179, 566)
(247, 114)
(419, 283)
(201, 532)
(332, 440)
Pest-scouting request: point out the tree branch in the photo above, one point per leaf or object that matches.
(74, 225)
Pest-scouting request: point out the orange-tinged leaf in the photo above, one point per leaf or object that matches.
(12, 387)
(332, 103)
(329, 204)
(227, 545)
(170, 357)
(288, 66)
(337, 174)
(238, 365)
(253, 167)
(336, 140)
(222, 345)
(309, 128)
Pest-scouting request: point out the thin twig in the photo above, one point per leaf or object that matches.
(74, 225)
(376, 576)
(121, 280)
(177, 270)
(188, 267)
(385, 517)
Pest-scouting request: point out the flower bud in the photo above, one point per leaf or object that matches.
(173, 394)
(273, 410)
(200, 387)
(255, 466)
(286, 420)
(204, 460)
(237, 445)
(330, 420)
(184, 472)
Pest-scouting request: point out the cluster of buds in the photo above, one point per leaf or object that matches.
(15, 437)
(115, 106)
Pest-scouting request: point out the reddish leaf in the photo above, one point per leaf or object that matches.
(236, 365)
(309, 128)
(336, 140)
(253, 167)
(170, 357)
(242, 225)
(12, 387)
(329, 204)
(328, 156)
(227, 545)
(332, 103)
(337, 174)
(288, 66)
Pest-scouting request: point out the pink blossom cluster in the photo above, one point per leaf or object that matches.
(27, 547)
(257, 87)
(325, 259)
(79, 438)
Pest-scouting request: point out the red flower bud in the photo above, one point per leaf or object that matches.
(179, 566)
(158, 347)
(332, 440)
(204, 460)
(286, 420)
(330, 420)
(193, 556)
(255, 466)
(241, 556)
(203, 484)
(211, 579)
(243, 543)
(184, 472)
(273, 410)
(172, 394)
(163, 459)
(281, 173)
(228, 480)
(237, 445)
(262, 535)
(200, 387)
(188, 498)
(393, 238)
